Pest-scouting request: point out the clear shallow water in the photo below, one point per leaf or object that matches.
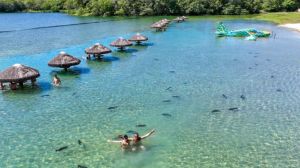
(188, 58)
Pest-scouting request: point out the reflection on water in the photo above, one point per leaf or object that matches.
(213, 102)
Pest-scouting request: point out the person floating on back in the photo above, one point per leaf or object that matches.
(133, 143)
(56, 80)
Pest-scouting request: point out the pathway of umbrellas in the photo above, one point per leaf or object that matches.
(18, 74)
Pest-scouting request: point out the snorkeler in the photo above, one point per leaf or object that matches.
(125, 142)
(56, 80)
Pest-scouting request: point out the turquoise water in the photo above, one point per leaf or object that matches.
(186, 65)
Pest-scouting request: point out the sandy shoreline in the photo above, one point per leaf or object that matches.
(295, 26)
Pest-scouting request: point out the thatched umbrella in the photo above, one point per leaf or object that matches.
(167, 21)
(19, 74)
(178, 19)
(184, 18)
(159, 26)
(97, 50)
(138, 38)
(121, 43)
(64, 60)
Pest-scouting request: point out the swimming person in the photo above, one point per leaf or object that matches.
(56, 80)
(137, 140)
(125, 142)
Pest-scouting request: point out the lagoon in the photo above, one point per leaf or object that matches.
(182, 72)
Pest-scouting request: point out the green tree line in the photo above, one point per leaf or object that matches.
(150, 7)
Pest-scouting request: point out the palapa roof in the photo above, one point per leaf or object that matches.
(166, 20)
(138, 37)
(64, 60)
(18, 73)
(184, 17)
(178, 19)
(158, 25)
(97, 49)
(121, 42)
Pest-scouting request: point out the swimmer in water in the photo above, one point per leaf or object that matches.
(125, 142)
(137, 140)
(56, 80)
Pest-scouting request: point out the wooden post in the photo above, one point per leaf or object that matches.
(21, 84)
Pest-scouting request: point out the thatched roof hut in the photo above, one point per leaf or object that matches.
(121, 43)
(178, 19)
(97, 49)
(159, 26)
(184, 18)
(18, 74)
(138, 38)
(64, 60)
(167, 21)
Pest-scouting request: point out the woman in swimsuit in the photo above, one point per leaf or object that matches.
(125, 142)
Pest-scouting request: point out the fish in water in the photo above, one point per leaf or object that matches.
(61, 149)
(81, 166)
(169, 88)
(112, 107)
(166, 114)
(74, 94)
(156, 59)
(279, 90)
(224, 96)
(141, 125)
(172, 71)
(166, 101)
(233, 109)
(250, 68)
(272, 76)
(256, 64)
(79, 142)
(215, 111)
(45, 95)
(243, 97)
(175, 96)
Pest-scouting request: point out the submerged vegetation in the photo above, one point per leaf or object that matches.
(150, 7)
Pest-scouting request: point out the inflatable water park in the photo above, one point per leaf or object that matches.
(249, 33)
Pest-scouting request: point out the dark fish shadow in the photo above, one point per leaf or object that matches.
(73, 71)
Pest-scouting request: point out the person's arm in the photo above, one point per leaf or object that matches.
(148, 134)
(111, 141)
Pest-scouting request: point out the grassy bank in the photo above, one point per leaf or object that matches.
(277, 18)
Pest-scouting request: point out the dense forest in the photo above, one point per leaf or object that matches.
(150, 7)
